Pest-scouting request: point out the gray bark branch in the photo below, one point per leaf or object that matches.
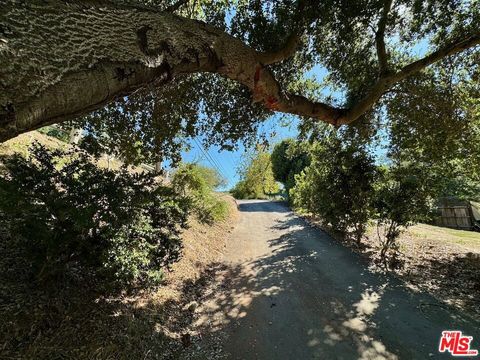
(291, 45)
(380, 38)
(63, 59)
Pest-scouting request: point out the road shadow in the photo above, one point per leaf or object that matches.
(317, 300)
(262, 206)
(308, 298)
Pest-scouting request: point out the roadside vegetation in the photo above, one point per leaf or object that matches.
(371, 192)
(77, 234)
(349, 179)
(199, 182)
(386, 95)
(256, 177)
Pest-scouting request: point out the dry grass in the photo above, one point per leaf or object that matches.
(203, 245)
(441, 261)
(75, 320)
(21, 144)
(470, 240)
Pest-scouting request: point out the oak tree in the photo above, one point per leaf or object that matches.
(142, 74)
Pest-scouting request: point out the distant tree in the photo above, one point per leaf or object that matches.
(256, 178)
(192, 176)
(289, 158)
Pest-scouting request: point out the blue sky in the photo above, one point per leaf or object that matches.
(228, 161)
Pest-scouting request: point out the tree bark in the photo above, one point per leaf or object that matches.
(59, 60)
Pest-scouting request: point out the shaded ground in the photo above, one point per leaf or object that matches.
(441, 261)
(73, 319)
(288, 291)
(285, 290)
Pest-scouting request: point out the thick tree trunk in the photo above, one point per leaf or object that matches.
(61, 59)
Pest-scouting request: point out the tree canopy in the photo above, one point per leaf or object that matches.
(256, 177)
(289, 158)
(157, 72)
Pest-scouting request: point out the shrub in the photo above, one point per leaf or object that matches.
(56, 132)
(65, 211)
(198, 183)
(401, 200)
(338, 187)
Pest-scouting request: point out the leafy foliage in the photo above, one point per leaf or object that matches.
(442, 134)
(198, 182)
(56, 132)
(257, 181)
(155, 124)
(402, 198)
(289, 158)
(66, 212)
(338, 186)
(337, 37)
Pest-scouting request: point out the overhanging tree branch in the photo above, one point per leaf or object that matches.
(385, 82)
(272, 57)
(118, 50)
(451, 48)
(380, 38)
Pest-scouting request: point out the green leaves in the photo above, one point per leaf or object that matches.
(339, 37)
(197, 183)
(289, 158)
(256, 178)
(65, 211)
(337, 186)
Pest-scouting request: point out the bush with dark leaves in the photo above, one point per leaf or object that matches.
(66, 212)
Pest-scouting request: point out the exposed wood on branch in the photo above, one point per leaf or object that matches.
(118, 50)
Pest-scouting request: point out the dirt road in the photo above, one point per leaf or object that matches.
(288, 291)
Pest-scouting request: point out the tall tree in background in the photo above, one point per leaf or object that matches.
(434, 123)
(154, 72)
(256, 178)
(289, 158)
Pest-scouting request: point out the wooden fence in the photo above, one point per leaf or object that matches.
(458, 217)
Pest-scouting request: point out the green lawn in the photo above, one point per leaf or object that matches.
(469, 239)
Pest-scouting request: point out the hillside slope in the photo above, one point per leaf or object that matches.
(76, 320)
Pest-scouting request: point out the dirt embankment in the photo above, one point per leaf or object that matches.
(74, 321)
(203, 245)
